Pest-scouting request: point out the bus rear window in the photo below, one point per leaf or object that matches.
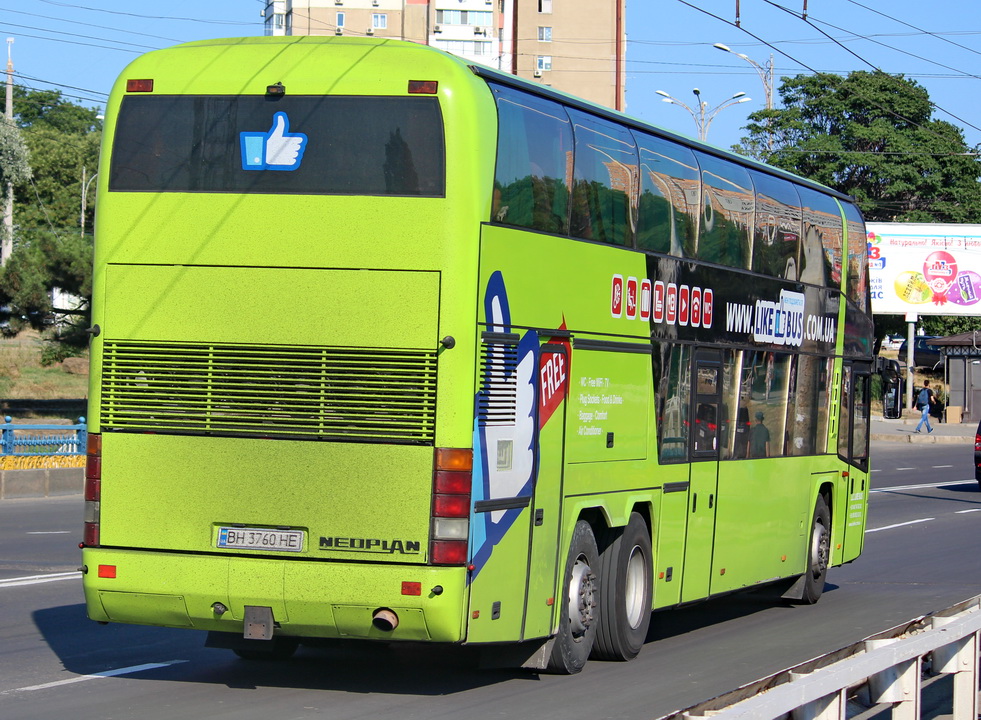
(319, 145)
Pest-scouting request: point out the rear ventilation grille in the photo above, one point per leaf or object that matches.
(351, 394)
(497, 398)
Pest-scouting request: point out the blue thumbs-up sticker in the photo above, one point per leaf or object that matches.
(278, 149)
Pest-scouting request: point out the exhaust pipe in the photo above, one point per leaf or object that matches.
(384, 619)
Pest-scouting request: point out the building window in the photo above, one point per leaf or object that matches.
(544, 62)
(340, 19)
(275, 15)
(544, 6)
(379, 21)
(544, 34)
(464, 17)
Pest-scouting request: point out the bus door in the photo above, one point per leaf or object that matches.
(544, 560)
(853, 448)
(704, 474)
(516, 518)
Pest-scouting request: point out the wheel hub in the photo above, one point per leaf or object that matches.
(820, 549)
(582, 590)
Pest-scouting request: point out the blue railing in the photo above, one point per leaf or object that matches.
(29, 440)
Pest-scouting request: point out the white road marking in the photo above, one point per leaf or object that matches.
(943, 466)
(900, 488)
(94, 676)
(890, 527)
(49, 532)
(909, 468)
(962, 512)
(38, 579)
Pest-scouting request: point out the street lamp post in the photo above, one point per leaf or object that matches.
(701, 113)
(764, 71)
(766, 76)
(85, 192)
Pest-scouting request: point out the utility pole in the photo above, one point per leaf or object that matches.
(7, 244)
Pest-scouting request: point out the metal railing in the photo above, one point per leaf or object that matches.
(887, 669)
(24, 440)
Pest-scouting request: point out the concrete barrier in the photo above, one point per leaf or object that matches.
(41, 482)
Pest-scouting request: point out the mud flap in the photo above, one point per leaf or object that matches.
(531, 655)
(258, 623)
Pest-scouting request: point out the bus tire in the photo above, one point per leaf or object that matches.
(579, 593)
(279, 648)
(818, 553)
(625, 591)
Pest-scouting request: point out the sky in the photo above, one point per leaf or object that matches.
(80, 46)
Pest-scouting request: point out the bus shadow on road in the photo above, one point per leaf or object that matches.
(718, 611)
(85, 647)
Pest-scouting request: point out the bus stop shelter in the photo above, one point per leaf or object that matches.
(962, 357)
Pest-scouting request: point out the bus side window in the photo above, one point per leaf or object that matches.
(726, 228)
(534, 143)
(605, 170)
(674, 387)
(821, 238)
(668, 206)
(776, 239)
(857, 283)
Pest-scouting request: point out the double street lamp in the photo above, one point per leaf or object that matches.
(701, 113)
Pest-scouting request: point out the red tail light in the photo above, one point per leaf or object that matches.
(452, 483)
(139, 85)
(977, 442)
(93, 490)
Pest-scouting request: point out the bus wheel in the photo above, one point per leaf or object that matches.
(580, 594)
(625, 591)
(279, 648)
(818, 553)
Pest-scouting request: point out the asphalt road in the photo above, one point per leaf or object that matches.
(920, 556)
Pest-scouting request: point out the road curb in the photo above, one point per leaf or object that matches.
(41, 483)
(925, 438)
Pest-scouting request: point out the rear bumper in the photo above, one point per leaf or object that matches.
(308, 599)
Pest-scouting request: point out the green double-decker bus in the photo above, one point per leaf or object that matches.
(388, 346)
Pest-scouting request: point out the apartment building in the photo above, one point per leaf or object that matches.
(576, 46)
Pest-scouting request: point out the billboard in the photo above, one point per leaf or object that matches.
(925, 268)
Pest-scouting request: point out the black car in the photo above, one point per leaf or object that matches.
(924, 354)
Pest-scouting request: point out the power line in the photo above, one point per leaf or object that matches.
(87, 37)
(75, 42)
(94, 25)
(145, 17)
(50, 82)
(862, 59)
(881, 107)
(938, 36)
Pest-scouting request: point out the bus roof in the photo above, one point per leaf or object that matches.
(309, 42)
(503, 78)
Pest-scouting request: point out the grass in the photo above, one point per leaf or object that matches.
(23, 378)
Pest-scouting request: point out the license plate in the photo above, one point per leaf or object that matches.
(261, 539)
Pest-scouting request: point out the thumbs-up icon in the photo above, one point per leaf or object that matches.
(278, 149)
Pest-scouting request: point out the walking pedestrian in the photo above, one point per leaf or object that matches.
(924, 400)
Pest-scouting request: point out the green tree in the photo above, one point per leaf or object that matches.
(944, 325)
(872, 136)
(49, 252)
(15, 166)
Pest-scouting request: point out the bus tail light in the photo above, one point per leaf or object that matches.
(452, 483)
(423, 87)
(93, 489)
(139, 85)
